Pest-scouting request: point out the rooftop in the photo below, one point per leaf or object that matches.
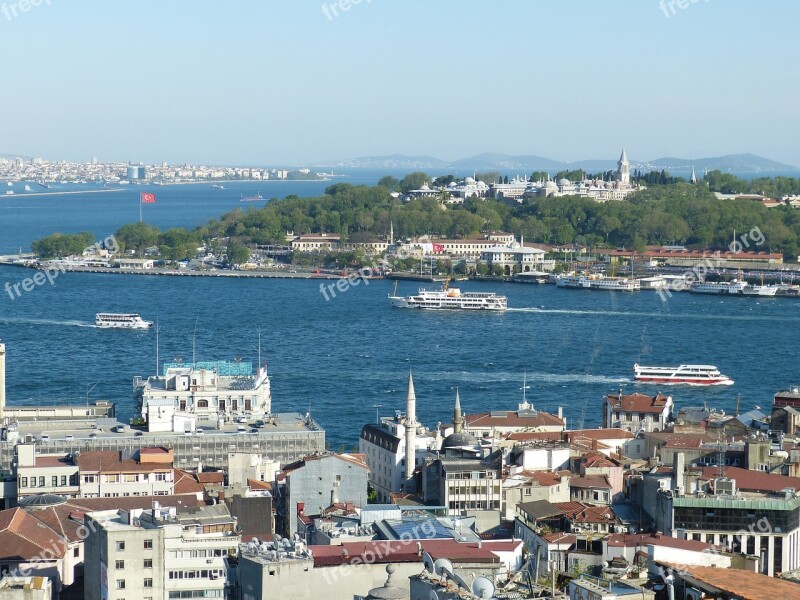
(739, 583)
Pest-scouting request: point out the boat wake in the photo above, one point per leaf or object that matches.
(666, 315)
(49, 322)
(557, 378)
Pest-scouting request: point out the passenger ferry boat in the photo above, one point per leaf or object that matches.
(598, 282)
(686, 374)
(737, 286)
(448, 298)
(121, 321)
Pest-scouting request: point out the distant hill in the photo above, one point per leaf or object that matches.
(507, 163)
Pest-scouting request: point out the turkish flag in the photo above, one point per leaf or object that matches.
(148, 198)
(438, 248)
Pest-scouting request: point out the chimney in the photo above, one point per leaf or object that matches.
(678, 465)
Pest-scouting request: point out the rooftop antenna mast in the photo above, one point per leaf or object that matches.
(259, 348)
(194, 338)
(157, 327)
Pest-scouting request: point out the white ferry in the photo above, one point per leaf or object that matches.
(737, 286)
(686, 374)
(121, 321)
(598, 282)
(448, 298)
(761, 290)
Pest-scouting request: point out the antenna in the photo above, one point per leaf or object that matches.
(483, 587)
(156, 348)
(427, 562)
(194, 337)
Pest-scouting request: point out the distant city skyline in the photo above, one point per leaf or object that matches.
(303, 83)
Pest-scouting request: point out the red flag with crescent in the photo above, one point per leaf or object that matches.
(148, 198)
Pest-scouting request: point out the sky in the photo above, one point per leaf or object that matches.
(267, 82)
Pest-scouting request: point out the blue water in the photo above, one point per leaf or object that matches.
(340, 358)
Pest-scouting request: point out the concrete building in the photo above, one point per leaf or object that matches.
(160, 553)
(514, 258)
(286, 437)
(203, 393)
(314, 483)
(384, 446)
(637, 412)
(37, 474)
(316, 242)
(26, 588)
(744, 511)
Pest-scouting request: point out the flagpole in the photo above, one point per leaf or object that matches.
(140, 207)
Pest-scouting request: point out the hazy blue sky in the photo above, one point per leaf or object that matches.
(268, 82)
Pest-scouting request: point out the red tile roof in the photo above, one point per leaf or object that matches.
(404, 551)
(739, 583)
(512, 418)
(579, 512)
(640, 403)
(590, 481)
(110, 461)
(187, 483)
(753, 481)
(24, 538)
(212, 477)
(627, 540)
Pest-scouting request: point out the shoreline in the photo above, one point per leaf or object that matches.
(62, 193)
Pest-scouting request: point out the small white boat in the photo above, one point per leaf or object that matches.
(121, 321)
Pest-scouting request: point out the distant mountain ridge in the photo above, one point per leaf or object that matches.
(734, 163)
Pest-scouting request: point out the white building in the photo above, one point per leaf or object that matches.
(203, 393)
(637, 412)
(514, 258)
(384, 446)
(316, 242)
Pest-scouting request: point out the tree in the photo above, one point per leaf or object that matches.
(137, 236)
(390, 183)
(414, 181)
(59, 244)
(237, 254)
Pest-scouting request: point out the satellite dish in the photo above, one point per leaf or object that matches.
(483, 587)
(428, 562)
(460, 582)
(443, 567)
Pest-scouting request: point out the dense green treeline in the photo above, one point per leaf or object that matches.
(674, 214)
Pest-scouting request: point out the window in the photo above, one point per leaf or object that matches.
(33, 481)
(63, 480)
(54, 481)
(76, 552)
(120, 564)
(148, 544)
(41, 481)
(148, 583)
(161, 476)
(338, 478)
(23, 482)
(120, 546)
(120, 584)
(148, 563)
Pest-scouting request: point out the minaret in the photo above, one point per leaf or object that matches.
(458, 421)
(624, 169)
(2, 380)
(411, 434)
(693, 178)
